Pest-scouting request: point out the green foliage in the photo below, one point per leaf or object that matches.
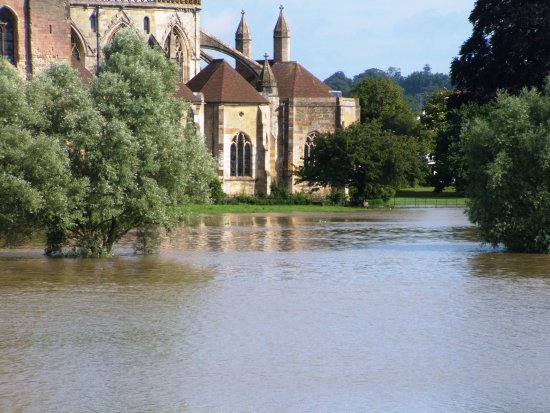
(280, 195)
(108, 158)
(441, 124)
(383, 101)
(339, 81)
(509, 49)
(445, 124)
(33, 166)
(373, 161)
(216, 191)
(279, 190)
(507, 149)
(418, 86)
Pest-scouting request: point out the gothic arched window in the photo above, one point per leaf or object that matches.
(308, 147)
(8, 39)
(176, 50)
(147, 25)
(77, 50)
(241, 156)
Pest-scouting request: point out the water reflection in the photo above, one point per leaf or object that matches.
(400, 311)
(302, 232)
(518, 266)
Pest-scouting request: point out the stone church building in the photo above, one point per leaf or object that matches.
(258, 118)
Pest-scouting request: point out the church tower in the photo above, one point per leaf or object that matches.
(281, 39)
(243, 38)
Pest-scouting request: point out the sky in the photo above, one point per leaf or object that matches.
(351, 35)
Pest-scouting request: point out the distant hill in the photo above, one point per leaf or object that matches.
(418, 86)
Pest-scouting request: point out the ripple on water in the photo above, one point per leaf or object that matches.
(400, 311)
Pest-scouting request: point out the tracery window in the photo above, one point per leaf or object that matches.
(308, 147)
(7, 35)
(176, 50)
(77, 50)
(241, 156)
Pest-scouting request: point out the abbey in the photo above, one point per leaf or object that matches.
(258, 118)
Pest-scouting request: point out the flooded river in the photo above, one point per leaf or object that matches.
(398, 311)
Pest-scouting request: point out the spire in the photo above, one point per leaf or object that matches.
(281, 29)
(281, 39)
(243, 37)
(243, 30)
(267, 83)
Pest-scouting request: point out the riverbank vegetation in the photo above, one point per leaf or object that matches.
(88, 163)
(418, 197)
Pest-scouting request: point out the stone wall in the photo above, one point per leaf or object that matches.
(305, 116)
(350, 111)
(222, 124)
(109, 18)
(50, 33)
(17, 8)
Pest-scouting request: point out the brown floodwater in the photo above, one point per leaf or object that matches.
(397, 311)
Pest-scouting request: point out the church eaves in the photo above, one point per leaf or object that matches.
(185, 93)
(220, 83)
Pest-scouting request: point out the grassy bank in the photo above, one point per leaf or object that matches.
(256, 209)
(424, 197)
(421, 197)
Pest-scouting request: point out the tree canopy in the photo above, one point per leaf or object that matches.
(374, 162)
(376, 156)
(507, 152)
(509, 49)
(418, 86)
(120, 156)
(34, 183)
(383, 100)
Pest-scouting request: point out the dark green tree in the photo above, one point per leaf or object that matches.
(372, 161)
(369, 74)
(339, 81)
(382, 100)
(509, 49)
(420, 85)
(443, 125)
(507, 150)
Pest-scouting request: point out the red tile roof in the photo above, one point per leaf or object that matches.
(295, 81)
(185, 93)
(220, 83)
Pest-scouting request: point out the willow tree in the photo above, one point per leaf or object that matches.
(507, 150)
(130, 162)
(34, 167)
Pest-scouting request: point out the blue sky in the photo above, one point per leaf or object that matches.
(351, 35)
